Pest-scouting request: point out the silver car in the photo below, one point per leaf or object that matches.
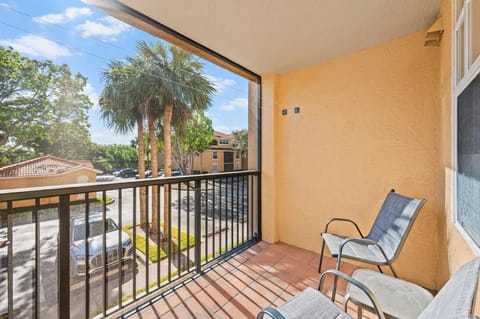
(113, 251)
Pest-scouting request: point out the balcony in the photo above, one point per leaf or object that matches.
(238, 287)
(48, 269)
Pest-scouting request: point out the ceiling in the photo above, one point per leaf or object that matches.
(277, 36)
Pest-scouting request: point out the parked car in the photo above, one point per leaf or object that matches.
(174, 173)
(105, 178)
(114, 252)
(148, 174)
(127, 172)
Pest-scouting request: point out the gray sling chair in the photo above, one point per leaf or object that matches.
(386, 238)
(454, 301)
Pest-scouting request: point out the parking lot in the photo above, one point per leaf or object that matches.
(214, 225)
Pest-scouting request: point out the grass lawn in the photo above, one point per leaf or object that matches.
(152, 246)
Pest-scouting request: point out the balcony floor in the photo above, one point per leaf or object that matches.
(263, 275)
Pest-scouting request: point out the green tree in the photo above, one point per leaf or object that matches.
(123, 106)
(108, 157)
(39, 100)
(240, 142)
(179, 84)
(195, 138)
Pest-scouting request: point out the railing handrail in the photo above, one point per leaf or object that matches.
(16, 194)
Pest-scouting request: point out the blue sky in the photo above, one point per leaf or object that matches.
(73, 33)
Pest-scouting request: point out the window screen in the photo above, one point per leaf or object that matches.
(468, 152)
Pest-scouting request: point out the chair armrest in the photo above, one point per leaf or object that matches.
(271, 312)
(361, 241)
(343, 220)
(362, 287)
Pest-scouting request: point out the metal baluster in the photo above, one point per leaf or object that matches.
(238, 220)
(179, 233)
(87, 253)
(147, 237)
(243, 208)
(206, 220)
(169, 232)
(188, 226)
(36, 271)
(231, 208)
(135, 242)
(63, 257)
(250, 203)
(10, 258)
(213, 224)
(226, 214)
(159, 243)
(120, 249)
(197, 231)
(220, 215)
(104, 253)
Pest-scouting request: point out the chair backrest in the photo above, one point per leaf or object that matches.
(455, 300)
(394, 221)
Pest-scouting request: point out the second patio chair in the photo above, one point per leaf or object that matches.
(383, 243)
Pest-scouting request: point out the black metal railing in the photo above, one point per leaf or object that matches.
(102, 249)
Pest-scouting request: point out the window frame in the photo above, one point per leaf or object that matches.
(470, 72)
(214, 155)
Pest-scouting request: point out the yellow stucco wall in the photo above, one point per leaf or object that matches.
(73, 177)
(366, 125)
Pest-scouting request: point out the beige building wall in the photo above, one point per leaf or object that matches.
(366, 125)
(73, 177)
(205, 161)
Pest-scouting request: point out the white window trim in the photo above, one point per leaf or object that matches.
(471, 70)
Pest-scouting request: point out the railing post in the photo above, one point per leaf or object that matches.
(198, 230)
(64, 257)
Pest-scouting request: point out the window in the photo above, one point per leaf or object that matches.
(466, 145)
(214, 155)
(468, 159)
(215, 168)
(223, 141)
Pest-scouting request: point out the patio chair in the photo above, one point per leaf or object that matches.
(386, 238)
(454, 301)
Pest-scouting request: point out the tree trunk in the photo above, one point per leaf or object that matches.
(141, 174)
(168, 167)
(154, 157)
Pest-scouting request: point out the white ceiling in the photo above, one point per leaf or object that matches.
(277, 36)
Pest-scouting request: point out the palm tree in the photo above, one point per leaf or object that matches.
(180, 84)
(123, 107)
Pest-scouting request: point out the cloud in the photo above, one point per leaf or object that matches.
(220, 84)
(104, 27)
(239, 102)
(92, 95)
(37, 46)
(222, 129)
(68, 15)
(5, 5)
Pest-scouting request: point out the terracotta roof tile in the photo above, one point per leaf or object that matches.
(40, 166)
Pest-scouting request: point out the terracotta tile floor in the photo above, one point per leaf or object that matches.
(261, 276)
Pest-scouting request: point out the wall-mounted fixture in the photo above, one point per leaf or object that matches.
(434, 34)
(284, 112)
(296, 109)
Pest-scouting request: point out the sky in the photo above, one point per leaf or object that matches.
(86, 39)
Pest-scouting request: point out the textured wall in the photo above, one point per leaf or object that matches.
(40, 181)
(453, 249)
(367, 124)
